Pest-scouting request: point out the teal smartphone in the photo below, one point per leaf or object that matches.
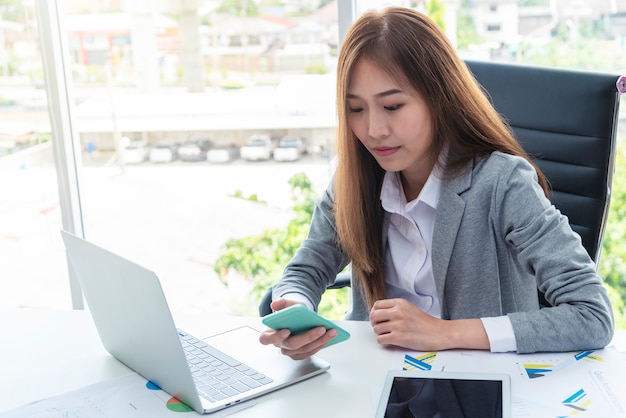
(299, 319)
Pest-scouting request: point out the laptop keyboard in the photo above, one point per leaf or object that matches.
(218, 375)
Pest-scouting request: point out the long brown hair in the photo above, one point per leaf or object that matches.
(409, 47)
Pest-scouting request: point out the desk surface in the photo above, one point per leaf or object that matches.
(45, 353)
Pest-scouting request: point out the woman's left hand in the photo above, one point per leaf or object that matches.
(398, 322)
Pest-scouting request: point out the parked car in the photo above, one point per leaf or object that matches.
(134, 152)
(258, 147)
(223, 153)
(195, 150)
(163, 152)
(290, 148)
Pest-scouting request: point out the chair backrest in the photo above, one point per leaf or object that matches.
(567, 121)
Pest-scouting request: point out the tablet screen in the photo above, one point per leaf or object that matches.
(419, 395)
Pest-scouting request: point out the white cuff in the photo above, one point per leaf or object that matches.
(298, 297)
(500, 333)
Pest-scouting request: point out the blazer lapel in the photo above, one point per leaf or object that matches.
(449, 214)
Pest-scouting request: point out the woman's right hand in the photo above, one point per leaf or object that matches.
(299, 346)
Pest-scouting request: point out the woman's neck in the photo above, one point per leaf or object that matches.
(413, 182)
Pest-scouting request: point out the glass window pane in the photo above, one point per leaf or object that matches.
(34, 269)
(167, 97)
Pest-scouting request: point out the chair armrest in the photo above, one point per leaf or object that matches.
(342, 280)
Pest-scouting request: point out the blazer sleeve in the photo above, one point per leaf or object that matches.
(319, 258)
(542, 244)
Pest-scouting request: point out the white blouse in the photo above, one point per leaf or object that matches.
(408, 252)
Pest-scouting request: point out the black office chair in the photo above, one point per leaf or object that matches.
(567, 121)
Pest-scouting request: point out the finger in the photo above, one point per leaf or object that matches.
(271, 337)
(380, 314)
(384, 303)
(281, 303)
(297, 342)
(307, 350)
(382, 328)
(387, 339)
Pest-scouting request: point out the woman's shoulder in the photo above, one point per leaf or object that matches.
(502, 159)
(499, 164)
(493, 170)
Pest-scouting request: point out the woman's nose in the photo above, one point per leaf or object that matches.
(378, 126)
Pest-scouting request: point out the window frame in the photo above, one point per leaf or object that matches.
(65, 139)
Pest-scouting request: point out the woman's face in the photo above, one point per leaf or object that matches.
(391, 121)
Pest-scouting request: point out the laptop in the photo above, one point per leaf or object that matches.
(445, 394)
(135, 325)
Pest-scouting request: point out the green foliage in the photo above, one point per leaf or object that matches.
(619, 308)
(316, 68)
(239, 7)
(44, 137)
(261, 259)
(533, 3)
(588, 50)
(436, 10)
(465, 28)
(253, 197)
(12, 10)
(612, 265)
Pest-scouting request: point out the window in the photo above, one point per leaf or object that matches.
(145, 78)
(137, 95)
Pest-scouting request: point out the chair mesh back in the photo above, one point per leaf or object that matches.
(566, 120)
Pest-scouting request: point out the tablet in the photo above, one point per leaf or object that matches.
(422, 393)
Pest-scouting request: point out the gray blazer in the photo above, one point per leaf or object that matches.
(497, 241)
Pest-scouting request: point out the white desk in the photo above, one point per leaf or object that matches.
(44, 353)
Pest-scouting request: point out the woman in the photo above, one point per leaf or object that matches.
(440, 212)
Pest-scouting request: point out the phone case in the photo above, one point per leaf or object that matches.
(299, 318)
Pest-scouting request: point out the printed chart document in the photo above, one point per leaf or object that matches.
(126, 396)
(585, 383)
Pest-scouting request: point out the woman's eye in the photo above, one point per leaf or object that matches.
(355, 109)
(392, 108)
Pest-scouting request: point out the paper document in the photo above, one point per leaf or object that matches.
(127, 396)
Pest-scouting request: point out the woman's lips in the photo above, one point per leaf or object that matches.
(385, 151)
